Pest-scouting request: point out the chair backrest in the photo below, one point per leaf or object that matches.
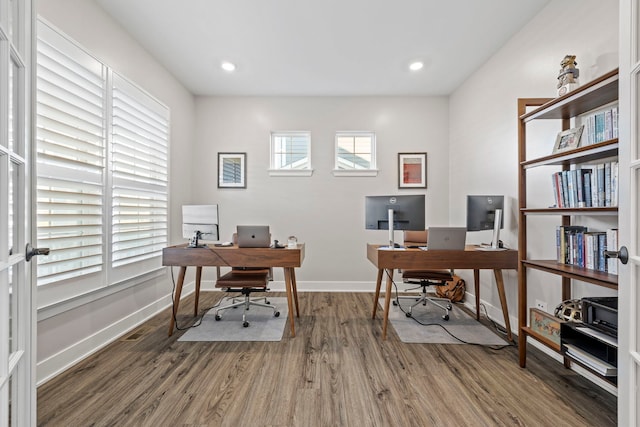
(416, 236)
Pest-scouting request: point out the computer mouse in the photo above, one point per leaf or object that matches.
(226, 244)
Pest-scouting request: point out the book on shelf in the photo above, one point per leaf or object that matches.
(600, 126)
(586, 186)
(577, 246)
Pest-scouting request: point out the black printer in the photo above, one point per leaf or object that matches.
(601, 313)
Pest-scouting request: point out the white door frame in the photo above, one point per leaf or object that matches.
(17, 291)
(629, 185)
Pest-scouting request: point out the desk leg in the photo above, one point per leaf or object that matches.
(294, 288)
(387, 301)
(198, 277)
(503, 301)
(476, 284)
(176, 298)
(377, 295)
(288, 286)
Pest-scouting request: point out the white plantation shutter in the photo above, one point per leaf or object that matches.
(102, 164)
(70, 157)
(140, 129)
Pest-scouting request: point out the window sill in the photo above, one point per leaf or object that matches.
(344, 172)
(290, 172)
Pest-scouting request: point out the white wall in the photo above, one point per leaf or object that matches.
(483, 128)
(65, 335)
(323, 211)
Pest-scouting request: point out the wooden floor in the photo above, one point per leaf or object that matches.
(335, 372)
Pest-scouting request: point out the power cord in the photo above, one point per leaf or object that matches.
(397, 301)
(173, 311)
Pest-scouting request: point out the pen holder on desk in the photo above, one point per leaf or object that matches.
(292, 242)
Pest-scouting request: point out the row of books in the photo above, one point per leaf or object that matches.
(600, 126)
(577, 246)
(587, 186)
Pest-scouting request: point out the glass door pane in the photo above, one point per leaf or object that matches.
(14, 116)
(14, 205)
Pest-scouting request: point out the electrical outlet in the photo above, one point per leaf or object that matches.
(541, 305)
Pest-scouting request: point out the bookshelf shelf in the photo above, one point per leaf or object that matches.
(597, 95)
(607, 211)
(592, 95)
(571, 271)
(579, 155)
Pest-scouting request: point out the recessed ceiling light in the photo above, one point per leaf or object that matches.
(228, 66)
(415, 66)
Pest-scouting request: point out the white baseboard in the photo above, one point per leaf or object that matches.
(66, 358)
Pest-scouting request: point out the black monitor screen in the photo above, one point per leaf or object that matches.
(408, 212)
(481, 212)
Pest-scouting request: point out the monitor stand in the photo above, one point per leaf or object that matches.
(194, 241)
(495, 241)
(390, 219)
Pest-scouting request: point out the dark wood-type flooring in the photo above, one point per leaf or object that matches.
(335, 372)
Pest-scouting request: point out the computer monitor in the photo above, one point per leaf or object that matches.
(199, 222)
(401, 212)
(486, 213)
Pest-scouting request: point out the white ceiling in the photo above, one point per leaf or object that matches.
(322, 47)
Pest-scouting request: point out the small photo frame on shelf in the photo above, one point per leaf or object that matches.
(412, 170)
(568, 139)
(232, 170)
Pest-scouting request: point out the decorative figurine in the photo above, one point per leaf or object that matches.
(568, 76)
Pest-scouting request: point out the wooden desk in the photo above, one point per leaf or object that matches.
(234, 256)
(416, 259)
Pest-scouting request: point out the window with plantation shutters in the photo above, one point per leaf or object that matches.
(71, 159)
(140, 129)
(102, 159)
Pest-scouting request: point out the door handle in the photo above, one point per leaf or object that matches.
(622, 254)
(30, 251)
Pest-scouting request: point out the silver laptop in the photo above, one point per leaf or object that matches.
(446, 238)
(253, 236)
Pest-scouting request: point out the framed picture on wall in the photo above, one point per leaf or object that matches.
(412, 170)
(232, 170)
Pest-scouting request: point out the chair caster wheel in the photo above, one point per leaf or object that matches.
(449, 306)
(408, 314)
(445, 317)
(267, 302)
(245, 324)
(395, 303)
(276, 314)
(218, 317)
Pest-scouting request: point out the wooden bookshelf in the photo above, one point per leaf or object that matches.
(593, 95)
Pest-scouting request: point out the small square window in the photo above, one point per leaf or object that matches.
(355, 152)
(290, 153)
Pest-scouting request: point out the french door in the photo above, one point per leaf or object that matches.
(629, 157)
(17, 319)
